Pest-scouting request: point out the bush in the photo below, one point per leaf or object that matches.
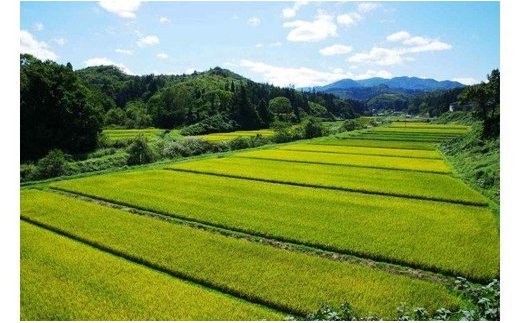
(351, 125)
(240, 143)
(139, 151)
(216, 123)
(312, 128)
(188, 146)
(53, 165)
(28, 172)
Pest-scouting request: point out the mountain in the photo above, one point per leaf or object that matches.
(369, 88)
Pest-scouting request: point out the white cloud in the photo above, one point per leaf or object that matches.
(398, 55)
(230, 64)
(311, 31)
(39, 26)
(162, 56)
(97, 61)
(367, 6)
(253, 21)
(124, 51)
(335, 50)
(372, 73)
(303, 76)
(349, 19)
(60, 41)
(125, 9)
(274, 44)
(39, 49)
(398, 36)
(164, 20)
(190, 70)
(291, 11)
(149, 40)
(378, 55)
(465, 80)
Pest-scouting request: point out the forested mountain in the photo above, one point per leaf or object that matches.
(66, 109)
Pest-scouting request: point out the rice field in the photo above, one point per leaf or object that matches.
(128, 134)
(66, 280)
(117, 246)
(224, 136)
(282, 279)
(368, 161)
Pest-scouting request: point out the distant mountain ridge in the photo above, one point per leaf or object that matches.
(402, 82)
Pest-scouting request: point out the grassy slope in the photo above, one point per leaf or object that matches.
(62, 279)
(477, 162)
(356, 223)
(296, 282)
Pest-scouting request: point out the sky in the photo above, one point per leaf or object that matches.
(283, 43)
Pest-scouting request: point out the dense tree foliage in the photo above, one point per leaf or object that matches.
(433, 103)
(56, 110)
(485, 98)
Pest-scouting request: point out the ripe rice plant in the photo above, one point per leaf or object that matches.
(387, 162)
(62, 279)
(376, 143)
(364, 151)
(296, 282)
(232, 135)
(428, 125)
(128, 134)
(446, 130)
(362, 179)
(460, 239)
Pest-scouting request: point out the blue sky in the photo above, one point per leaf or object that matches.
(299, 43)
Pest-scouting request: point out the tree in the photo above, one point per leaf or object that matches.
(168, 107)
(140, 152)
(281, 108)
(485, 98)
(55, 110)
(264, 113)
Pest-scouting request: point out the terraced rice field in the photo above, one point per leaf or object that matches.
(128, 134)
(390, 199)
(224, 136)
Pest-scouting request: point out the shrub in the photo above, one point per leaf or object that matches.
(139, 151)
(351, 125)
(216, 123)
(28, 172)
(312, 128)
(240, 143)
(53, 165)
(188, 146)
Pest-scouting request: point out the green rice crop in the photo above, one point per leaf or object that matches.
(370, 180)
(458, 131)
(62, 279)
(428, 125)
(459, 239)
(364, 151)
(232, 135)
(389, 162)
(127, 134)
(375, 143)
(412, 139)
(297, 282)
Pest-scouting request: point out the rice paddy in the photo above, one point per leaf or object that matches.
(118, 246)
(225, 136)
(129, 134)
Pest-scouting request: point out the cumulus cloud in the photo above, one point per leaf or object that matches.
(39, 49)
(398, 36)
(367, 6)
(320, 28)
(162, 56)
(373, 73)
(335, 50)
(124, 51)
(378, 55)
(302, 76)
(253, 21)
(97, 61)
(465, 80)
(291, 11)
(60, 41)
(164, 20)
(39, 26)
(149, 40)
(124, 9)
(349, 19)
(397, 55)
